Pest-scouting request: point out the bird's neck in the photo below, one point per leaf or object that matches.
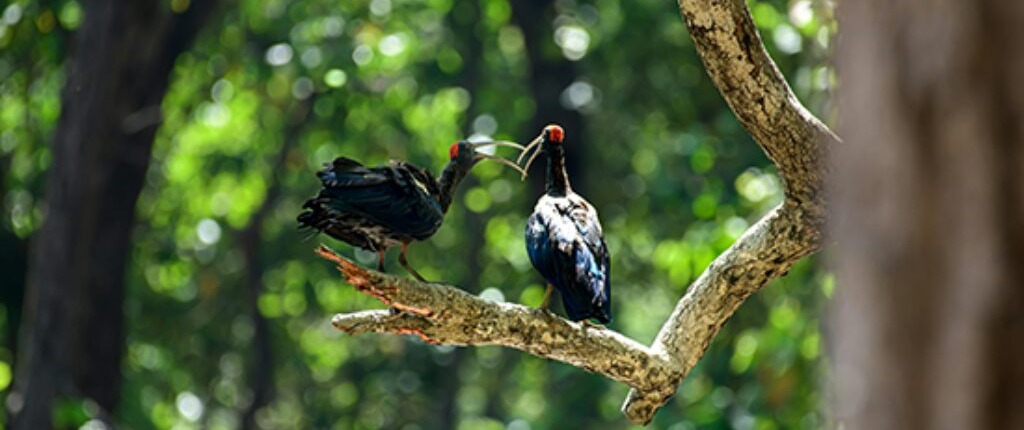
(449, 180)
(558, 178)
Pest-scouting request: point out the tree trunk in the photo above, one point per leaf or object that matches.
(464, 21)
(929, 216)
(72, 336)
(250, 239)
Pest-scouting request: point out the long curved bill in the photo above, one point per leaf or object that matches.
(498, 143)
(535, 146)
(481, 156)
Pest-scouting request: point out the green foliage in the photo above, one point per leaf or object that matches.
(675, 178)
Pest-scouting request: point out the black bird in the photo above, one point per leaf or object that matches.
(376, 208)
(564, 238)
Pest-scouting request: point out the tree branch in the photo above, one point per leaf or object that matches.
(735, 58)
(442, 314)
(796, 142)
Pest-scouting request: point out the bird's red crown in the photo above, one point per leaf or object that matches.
(453, 151)
(555, 133)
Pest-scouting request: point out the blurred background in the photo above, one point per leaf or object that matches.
(214, 313)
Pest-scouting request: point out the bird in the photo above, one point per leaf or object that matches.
(377, 208)
(564, 238)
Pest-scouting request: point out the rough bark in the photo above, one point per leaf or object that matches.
(118, 73)
(794, 140)
(928, 210)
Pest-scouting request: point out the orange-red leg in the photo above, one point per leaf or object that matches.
(405, 264)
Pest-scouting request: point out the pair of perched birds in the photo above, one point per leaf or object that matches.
(376, 208)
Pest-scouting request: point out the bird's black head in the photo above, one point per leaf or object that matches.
(463, 155)
(552, 136)
(462, 152)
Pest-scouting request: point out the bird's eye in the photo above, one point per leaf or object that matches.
(453, 151)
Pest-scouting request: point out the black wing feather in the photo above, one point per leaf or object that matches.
(397, 197)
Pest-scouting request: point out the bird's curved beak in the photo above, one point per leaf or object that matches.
(478, 145)
(535, 147)
(480, 156)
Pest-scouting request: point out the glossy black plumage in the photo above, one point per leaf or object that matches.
(565, 242)
(376, 208)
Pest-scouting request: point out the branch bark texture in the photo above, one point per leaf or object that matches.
(734, 56)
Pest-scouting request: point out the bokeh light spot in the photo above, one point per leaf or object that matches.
(577, 95)
(311, 57)
(787, 39)
(362, 55)
(189, 406)
(335, 78)
(12, 14)
(485, 124)
(302, 88)
(801, 13)
(573, 40)
(208, 231)
(279, 54)
(392, 45)
(380, 8)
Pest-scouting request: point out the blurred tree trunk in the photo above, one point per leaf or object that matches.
(550, 74)
(929, 216)
(72, 335)
(13, 256)
(250, 238)
(464, 20)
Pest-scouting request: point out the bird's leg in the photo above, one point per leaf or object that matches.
(547, 297)
(405, 264)
(394, 312)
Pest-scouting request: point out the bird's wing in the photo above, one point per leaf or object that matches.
(420, 178)
(539, 245)
(592, 258)
(395, 196)
(346, 172)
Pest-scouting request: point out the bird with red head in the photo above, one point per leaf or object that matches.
(564, 238)
(375, 208)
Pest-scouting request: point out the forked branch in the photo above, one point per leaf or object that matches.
(728, 44)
